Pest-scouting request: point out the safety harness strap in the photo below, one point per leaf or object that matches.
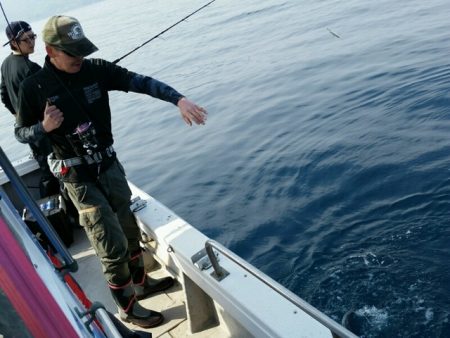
(86, 159)
(59, 168)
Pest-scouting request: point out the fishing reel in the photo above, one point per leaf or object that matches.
(85, 132)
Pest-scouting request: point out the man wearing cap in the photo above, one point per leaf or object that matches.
(68, 101)
(15, 68)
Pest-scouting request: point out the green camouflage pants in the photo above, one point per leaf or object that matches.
(108, 221)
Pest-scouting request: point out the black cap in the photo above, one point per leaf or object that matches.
(16, 29)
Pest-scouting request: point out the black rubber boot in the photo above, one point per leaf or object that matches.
(124, 331)
(149, 286)
(141, 317)
(129, 309)
(145, 286)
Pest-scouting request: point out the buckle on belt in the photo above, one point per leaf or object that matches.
(98, 157)
(109, 151)
(88, 159)
(71, 162)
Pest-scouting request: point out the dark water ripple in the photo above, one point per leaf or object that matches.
(324, 162)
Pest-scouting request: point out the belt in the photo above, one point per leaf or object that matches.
(89, 159)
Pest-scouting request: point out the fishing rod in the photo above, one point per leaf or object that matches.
(35, 210)
(161, 33)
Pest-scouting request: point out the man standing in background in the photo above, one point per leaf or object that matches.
(15, 68)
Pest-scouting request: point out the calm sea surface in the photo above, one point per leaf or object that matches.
(325, 159)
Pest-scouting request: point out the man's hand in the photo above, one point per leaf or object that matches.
(191, 112)
(53, 118)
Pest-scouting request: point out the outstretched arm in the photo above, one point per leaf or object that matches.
(190, 112)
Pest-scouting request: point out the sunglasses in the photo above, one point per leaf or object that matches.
(16, 38)
(29, 38)
(68, 54)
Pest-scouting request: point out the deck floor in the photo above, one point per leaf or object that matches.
(170, 303)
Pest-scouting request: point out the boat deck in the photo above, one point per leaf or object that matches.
(170, 303)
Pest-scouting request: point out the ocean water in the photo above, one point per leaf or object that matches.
(325, 158)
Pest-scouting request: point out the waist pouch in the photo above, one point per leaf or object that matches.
(82, 168)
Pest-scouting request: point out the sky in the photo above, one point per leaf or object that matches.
(33, 10)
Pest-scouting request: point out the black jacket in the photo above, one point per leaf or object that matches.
(15, 68)
(82, 97)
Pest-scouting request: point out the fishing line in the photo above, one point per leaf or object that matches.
(161, 33)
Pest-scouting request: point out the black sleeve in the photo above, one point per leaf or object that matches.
(112, 77)
(5, 97)
(28, 128)
(150, 86)
(115, 77)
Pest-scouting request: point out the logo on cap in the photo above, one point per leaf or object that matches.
(76, 32)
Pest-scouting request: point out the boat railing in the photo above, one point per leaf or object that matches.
(96, 313)
(69, 263)
(219, 273)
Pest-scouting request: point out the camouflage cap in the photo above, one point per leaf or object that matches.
(65, 33)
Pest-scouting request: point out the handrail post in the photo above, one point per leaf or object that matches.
(337, 330)
(219, 272)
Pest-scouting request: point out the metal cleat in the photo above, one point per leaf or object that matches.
(137, 204)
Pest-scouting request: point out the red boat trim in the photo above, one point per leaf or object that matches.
(27, 293)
